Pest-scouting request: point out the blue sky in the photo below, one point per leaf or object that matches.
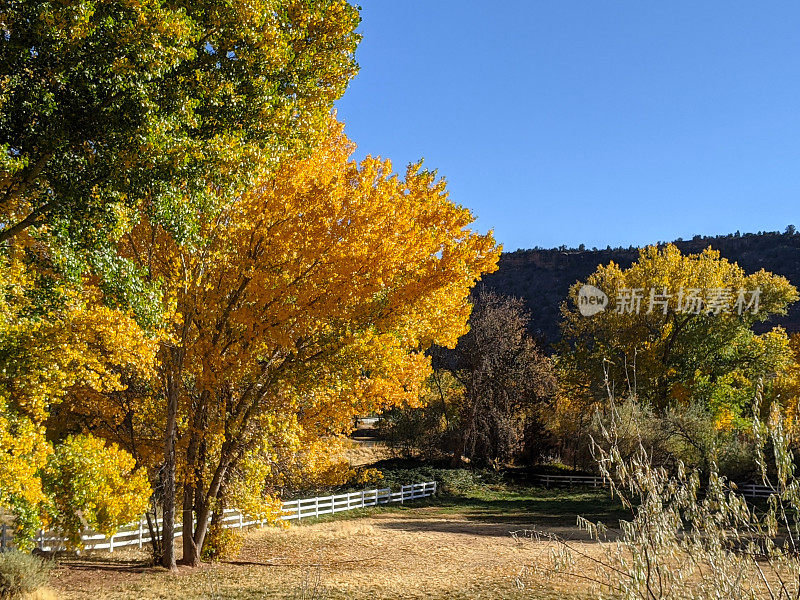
(595, 122)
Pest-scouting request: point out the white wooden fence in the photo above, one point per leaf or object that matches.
(138, 534)
(748, 490)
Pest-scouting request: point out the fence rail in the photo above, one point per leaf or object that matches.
(560, 480)
(748, 490)
(138, 533)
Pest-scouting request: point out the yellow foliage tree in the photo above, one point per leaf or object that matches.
(787, 386)
(671, 332)
(56, 340)
(310, 299)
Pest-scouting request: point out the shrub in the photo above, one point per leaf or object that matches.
(221, 543)
(21, 573)
(687, 434)
(411, 431)
(366, 477)
(449, 481)
(692, 536)
(95, 485)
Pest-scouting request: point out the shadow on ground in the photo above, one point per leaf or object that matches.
(556, 512)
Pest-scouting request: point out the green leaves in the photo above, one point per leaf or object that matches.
(113, 107)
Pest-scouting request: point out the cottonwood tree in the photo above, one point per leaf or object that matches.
(112, 108)
(91, 484)
(700, 350)
(307, 300)
(49, 351)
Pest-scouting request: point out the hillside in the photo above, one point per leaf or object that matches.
(543, 277)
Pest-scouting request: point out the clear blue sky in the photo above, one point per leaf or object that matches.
(596, 122)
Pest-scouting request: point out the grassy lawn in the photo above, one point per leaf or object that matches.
(455, 546)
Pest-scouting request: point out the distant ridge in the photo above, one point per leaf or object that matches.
(542, 277)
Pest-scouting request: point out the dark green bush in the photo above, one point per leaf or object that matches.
(449, 481)
(21, 573)
(422, 432)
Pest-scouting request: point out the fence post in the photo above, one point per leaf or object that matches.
(111, 544)
(241, 520)
(299, 514)
(316, 506)
(362, 499)
(141, 531)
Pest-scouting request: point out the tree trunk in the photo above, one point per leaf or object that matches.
(170, 434)
(215, 494)
(191, 553)
(194, 490)
(155, 536)
(461, 445)
(199, 537)
(197, 502)
(203, 506)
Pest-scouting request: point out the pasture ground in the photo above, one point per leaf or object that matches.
(457, 547)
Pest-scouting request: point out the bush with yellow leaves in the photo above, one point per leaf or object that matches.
(92, 485)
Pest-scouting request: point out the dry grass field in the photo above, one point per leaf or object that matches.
(458, 548)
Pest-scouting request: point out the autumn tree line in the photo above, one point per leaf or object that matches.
(201, 289)
(673, 361)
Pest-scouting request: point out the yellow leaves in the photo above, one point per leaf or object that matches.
(325, 245)
(317, 464)
(94, 485)
(305, 301)
(724, 420)
(23, 452)
(103, 338)
(704, 352)
(787, 383)
(368, 477)
(77, 345)
(87, 344)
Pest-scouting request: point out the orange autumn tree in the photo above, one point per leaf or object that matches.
(302, 303)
